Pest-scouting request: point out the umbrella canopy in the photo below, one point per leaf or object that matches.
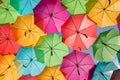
(30, 64)
(76, 66)
(53, 15)
(7, 14)
(28, 78)
(26, 33)
(7, 43)
(107, 45)
(75, 6)
(8, 69)
(51, 73)
(104, 71)
(81, 32)
(53, 48)
(116, 75)
(105, 12)
(24, 6)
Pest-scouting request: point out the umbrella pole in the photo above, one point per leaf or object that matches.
(28, 64)
(4, 71)
(103, 75)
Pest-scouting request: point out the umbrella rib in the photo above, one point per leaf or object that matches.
(69, 60)
(60, 49)
(82, 58)
(47, 24)
(97, 13)
(81, 5)
(6, 46)
(69, 2)
(69, 66)
(57, 55)
(37, 66)
(75, 7)
(100, 3)
(57, 44)
(24, 7)
(47, 42)
(47, 7)
(58, 12)
(35, 1)
(74, 23)
(11, 15)
(58, 18)
(24, 24)
(54, 23)
(71, 73)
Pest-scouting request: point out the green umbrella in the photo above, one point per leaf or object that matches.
(107, 45)
(54, 49)
(7, 13)
(75, 6)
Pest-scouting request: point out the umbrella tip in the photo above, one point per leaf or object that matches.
(51, 14)
(6, 9)
(52, 78)
(7, 38)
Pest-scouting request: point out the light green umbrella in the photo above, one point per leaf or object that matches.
(107, 45)
(54, 49)
(75, 6)
(7, 14)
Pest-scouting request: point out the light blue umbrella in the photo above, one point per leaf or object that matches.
(30, 64)
(104, 71)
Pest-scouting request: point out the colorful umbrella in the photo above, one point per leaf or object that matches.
(105, 12)
(28, 78)
(107, 45)
(8, 69)
(7, 43)
(75, 6)
(53, 48)
(116, 75)
(25, 32)
(76, 66)
(79, 32)
(51, 73)
(24, 6)
(104, 71)
(30, 64)
(7, 14)
(53, 15)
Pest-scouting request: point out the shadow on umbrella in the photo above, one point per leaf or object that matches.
(91, 72)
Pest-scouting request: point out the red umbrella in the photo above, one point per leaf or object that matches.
(79, 32)
(7, 44)
(28, 78)
(53, 15)
(76, 66)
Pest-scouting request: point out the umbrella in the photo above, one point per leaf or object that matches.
(7, 43)
(107, 45)
(24, 6)
(7, 14)
(104, 71)
(28, 78)
(75, 6)
(53, 15)
(8, 69)
(53, 48)
(81, 32)
(30, 64)
(116, 75)
(25, 32)
(76, 66)
(51, 73)
(105, 12)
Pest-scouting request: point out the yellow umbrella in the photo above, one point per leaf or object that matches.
(51, 73)
(26, 33)
(7, 68)
(105, 12)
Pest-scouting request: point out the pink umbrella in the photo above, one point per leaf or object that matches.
(76, 66)
(53, 15)
(28, 78)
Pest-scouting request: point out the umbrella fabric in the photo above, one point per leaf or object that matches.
(116, 75)
(8, 69)
(76, 66)
(75, 6)
(53, 48)
(104, 71)
(53, 15)
(30, 64)
(105, 12)
(28, 78)
(24, 6)
(79, 32)
(7, 43)
(107, 45)
(7, 14)
(25, 32)
(51, 73)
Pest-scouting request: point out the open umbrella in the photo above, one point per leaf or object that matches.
(24, 6)
(76, 66)
(8, 69)
(53, 15)
(51, 73)
(7, 43)
(104, 71)
(54, 49)
(105, 12)
(26, 33)
(28, 78)
(107, 45)
(30, 64)
(75, 6)
(7, 14)
(79, 32)
(116, 75)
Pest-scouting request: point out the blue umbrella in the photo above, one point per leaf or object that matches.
(30, 64)
(104, 71)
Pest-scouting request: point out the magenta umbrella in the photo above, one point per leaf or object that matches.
(76, 66)
(52, 14)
